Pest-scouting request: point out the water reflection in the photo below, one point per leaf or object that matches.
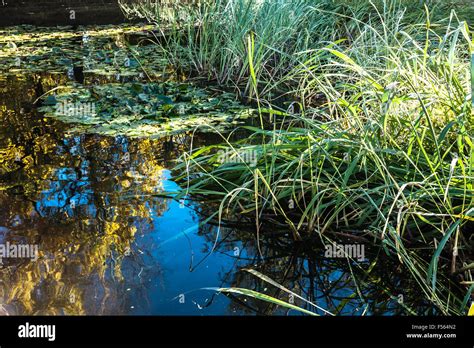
(84, 200)
(110, 243)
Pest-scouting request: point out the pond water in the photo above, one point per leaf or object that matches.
(109, 242)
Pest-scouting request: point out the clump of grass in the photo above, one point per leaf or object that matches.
(208, 38)
(211, 42)
(384, 147)
(398, 115)
(382, 143)
(158, 11)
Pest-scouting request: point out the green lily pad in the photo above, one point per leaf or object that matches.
(136, 110)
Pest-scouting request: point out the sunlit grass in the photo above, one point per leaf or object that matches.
(381, 143)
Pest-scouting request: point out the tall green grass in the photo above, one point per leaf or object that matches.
(381, 144)
(208, 38)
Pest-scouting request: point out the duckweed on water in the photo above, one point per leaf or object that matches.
(132, 109)
(136, 109)
(101, 50)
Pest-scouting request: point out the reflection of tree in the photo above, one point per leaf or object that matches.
(82, 199)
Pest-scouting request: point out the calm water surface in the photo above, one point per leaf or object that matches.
(110, 243)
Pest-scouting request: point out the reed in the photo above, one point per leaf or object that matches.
(378, 138)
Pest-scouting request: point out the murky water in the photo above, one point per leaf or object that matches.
(110, 243)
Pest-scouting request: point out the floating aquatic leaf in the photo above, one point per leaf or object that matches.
(151, 109)
(57, 49)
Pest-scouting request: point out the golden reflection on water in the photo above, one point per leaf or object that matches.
(81, 199)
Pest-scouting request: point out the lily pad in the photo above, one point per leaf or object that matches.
(136, 110)
(99, 50)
